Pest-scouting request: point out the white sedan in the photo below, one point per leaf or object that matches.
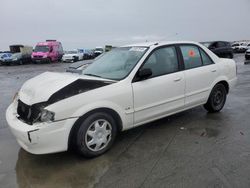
(72, 56)
(126, 87)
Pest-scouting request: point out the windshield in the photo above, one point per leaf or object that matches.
(98, 49)
(116, 64)
(5, 55)
(71, 52)
(41, 49)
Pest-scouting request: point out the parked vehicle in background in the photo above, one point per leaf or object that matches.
(240, 47)
(98, 51)
(108, 48)
(73, 56)
(55, 111)
(5, 58)
(247, 54)
(19, 54)
(235, 46)
(78, 67)
(92, 54)
(220, 48)
(47, 52)
(87, 54)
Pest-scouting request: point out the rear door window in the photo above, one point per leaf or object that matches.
(191, 56)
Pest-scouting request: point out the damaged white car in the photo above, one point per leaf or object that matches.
(126, 87)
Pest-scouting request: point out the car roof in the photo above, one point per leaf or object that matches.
(161, 43)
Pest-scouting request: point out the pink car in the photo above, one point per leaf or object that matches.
(49, 51)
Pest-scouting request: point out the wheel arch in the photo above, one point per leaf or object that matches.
(75, 127)
(225, 83)
(221, 80)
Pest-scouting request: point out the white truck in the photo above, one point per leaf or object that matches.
(98, 51)
(20, 54)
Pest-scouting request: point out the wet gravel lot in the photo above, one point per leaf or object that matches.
(190, 149)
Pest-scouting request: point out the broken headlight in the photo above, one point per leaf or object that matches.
(47, 115)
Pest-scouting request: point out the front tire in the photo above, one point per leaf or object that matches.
(75, 59)
(217, 99)
(96, 135)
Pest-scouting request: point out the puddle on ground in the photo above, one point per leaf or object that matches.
(67, 169)
(59, 170)
(204, 132)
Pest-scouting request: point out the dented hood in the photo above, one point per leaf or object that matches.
(41, 87)
(50, 85)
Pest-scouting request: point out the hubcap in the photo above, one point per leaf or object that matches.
(98, 135)
(218, 98)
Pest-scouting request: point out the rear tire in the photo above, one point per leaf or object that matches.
(96, 134)
(20, 62)
(217, 99)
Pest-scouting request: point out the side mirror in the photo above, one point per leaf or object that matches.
(144, 73)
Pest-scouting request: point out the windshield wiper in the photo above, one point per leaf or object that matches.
(93, 75)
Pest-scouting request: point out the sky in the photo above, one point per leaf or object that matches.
(87, 24)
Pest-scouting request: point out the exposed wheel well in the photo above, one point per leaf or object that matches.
(225, 84)
(73, 131)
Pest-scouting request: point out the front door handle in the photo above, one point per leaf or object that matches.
(213, 70)
(177, 79)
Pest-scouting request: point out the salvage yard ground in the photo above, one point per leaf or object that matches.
(190, 149)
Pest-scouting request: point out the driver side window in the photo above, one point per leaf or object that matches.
(162, 61)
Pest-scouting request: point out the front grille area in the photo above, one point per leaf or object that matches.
(28, 114)
(38, 56)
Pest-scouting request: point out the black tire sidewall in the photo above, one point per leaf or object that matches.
(81, 132)
(211, 103)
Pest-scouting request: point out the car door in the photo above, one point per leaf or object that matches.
(163, 92)
(200, 73)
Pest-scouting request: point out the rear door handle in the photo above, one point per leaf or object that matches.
(213, 70)
(177, 79)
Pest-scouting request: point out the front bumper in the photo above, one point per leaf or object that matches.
(41, 60)
(67, 60)
(39, 138)
(9, 61)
